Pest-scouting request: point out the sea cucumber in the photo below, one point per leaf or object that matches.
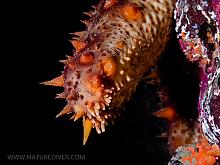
(122, 40)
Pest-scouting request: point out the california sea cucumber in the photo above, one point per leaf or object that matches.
(122, 40)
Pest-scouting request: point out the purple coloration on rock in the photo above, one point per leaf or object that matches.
(197, 27)
(209, 104)
(216, 7)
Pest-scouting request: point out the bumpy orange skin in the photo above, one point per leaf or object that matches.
(122, 40)
(131, 12)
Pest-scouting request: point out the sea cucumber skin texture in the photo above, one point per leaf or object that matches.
(121, 42)
(197, 27)
(128, 46)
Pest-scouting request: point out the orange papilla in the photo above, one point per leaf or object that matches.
(78, 45)
(120, 44)
(86, 58)
(169, 113)
(109, 67)
(58, 81)
(109, 3)
(131, 12)
(95, 81)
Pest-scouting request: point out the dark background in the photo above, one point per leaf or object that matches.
(36, 37)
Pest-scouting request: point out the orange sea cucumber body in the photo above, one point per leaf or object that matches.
(123, 39)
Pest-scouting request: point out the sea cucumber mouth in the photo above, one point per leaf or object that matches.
(89, 78)
(89, 86)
